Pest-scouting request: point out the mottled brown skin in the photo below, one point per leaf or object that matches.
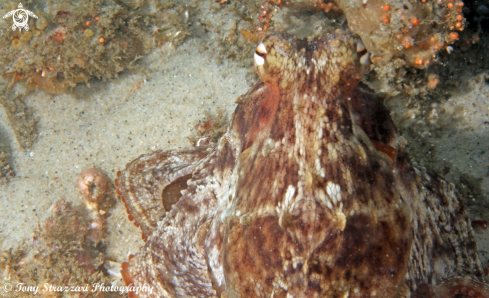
(302, 197)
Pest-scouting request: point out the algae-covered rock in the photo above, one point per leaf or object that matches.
(73, 42)
(60, 255)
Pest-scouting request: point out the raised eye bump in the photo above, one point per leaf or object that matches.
(260, 54)
(360, 46)
(365, 59)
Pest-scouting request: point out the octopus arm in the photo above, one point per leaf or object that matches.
(177, 264)
(151, 184)
(443, 247)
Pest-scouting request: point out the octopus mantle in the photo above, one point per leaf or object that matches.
(310, 193)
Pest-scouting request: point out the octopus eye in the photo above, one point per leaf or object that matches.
(260, 54)
(365, 59)
(362, 52)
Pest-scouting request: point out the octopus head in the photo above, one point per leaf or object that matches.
(284, 59)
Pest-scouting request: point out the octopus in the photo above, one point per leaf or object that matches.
(309, 193)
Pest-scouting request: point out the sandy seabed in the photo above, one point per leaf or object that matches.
(108, 125)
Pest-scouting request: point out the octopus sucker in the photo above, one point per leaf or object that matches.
(460, 287)
(309, 193)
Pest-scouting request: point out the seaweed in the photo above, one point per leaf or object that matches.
(60, 255)
(6, 170)
(211, 128)
(21, 118)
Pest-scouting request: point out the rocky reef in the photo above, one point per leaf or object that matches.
(67, 251)
(73, 42)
